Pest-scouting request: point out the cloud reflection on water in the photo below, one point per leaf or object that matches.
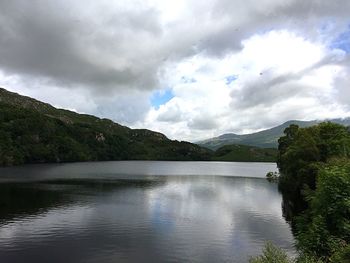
(158, 218)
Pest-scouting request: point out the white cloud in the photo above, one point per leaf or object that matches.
(108, 58)
(280, 76)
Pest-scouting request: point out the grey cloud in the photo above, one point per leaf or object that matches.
(342, 85)
(172, 114)
(126, 109)
(203, 122)
(343, 91)
(42, 40)
(260, 100)
(108, 50)
(260, 118)
(125, 48)
(265, 94)
(268, 88)
(243, 19)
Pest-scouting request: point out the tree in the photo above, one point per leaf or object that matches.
(324, 228)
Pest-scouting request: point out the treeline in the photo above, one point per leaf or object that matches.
(30, 136)
(48, 135)
(315, 183)
(244, 153)
(35, 132)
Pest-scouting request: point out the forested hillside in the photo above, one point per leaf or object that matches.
(245, 153)
(315, 183)
(35, 132)
(32, 132)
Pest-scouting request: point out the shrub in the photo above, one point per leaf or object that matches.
(271, 254)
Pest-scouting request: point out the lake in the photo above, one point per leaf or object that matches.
(139, 211)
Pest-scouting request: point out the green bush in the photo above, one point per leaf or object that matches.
(341, 256)
(315, 183)
(271, 254)
(324, 228)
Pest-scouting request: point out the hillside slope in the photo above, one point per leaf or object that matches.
(245, 153)
(32, 131)
(265, 139)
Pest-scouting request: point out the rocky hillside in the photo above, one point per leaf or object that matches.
(32, 131)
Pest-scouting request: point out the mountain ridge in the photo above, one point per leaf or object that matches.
(32, 131)
(264, 139)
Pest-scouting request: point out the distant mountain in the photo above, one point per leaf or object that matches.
(245, 153)
(33, 132)
(265, 139)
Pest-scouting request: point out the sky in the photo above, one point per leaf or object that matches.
(190, 69)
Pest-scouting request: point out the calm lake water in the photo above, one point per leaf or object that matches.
(139, 211)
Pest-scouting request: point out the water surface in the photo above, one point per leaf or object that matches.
(139, 212)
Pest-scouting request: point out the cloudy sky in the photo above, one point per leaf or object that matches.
(190, 69)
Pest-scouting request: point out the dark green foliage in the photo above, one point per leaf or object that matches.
(32, 132)
(271, 254)
(325, 225)
(323, 228)
(315, 182)
(272, 176)
(243, 153)
(301, 151)
(342, 255)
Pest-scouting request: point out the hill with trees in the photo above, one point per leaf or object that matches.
(245, 153)
(263, 139)
(314, 163)
(34, 132)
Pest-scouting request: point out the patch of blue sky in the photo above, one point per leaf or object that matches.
(230, 79)
(342, 41)
(160, 97)
(327, 26)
